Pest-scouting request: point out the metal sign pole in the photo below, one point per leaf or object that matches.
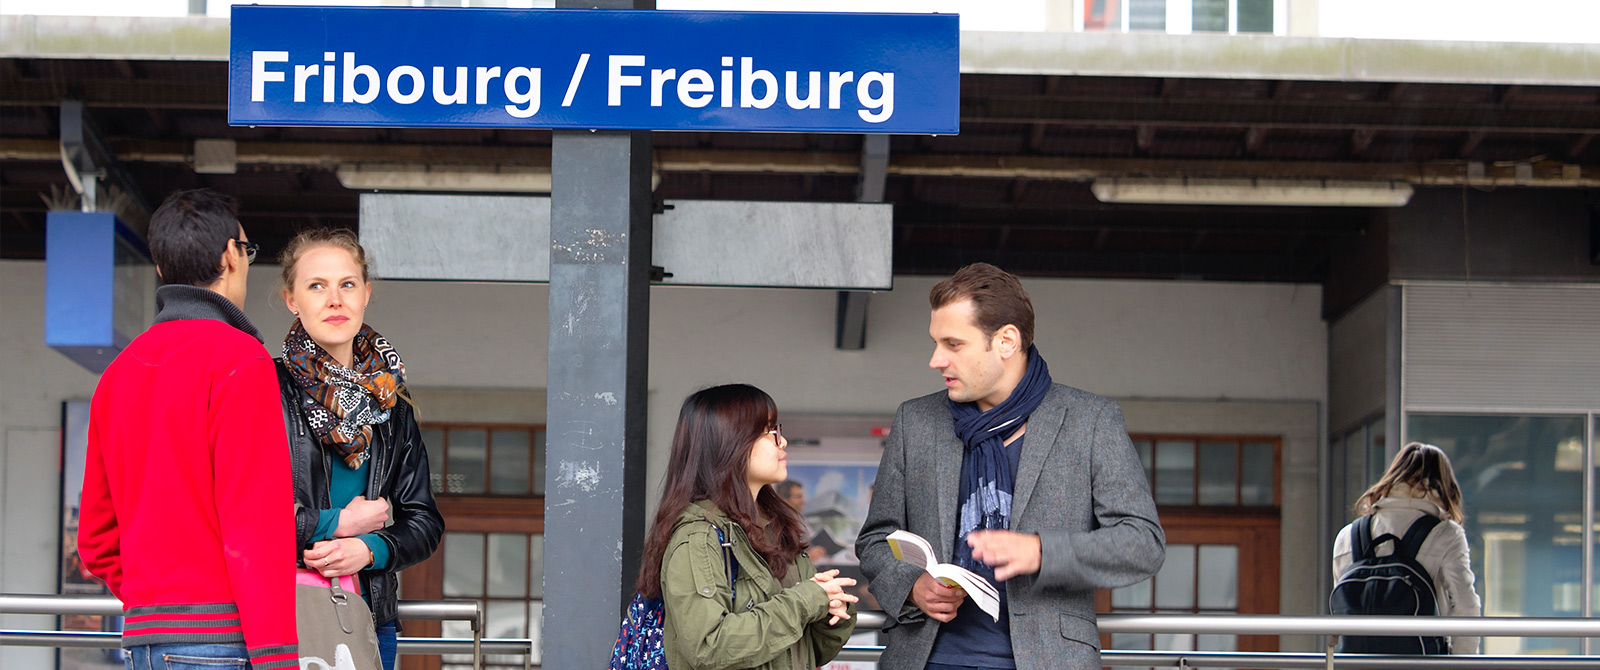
(600, 234)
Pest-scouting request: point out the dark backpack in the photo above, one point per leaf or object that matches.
(639, 644)
(1394, 585)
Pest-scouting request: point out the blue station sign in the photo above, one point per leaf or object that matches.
(601, 69)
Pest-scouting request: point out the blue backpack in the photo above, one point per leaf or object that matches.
(639, 639)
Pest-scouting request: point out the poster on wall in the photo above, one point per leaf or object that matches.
(833, 500)
(74, 581)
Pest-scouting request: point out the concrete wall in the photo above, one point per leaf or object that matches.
(1181, 355)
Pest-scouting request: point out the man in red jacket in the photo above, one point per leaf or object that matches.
(187, 509)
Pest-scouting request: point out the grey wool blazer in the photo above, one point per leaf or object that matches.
(1080, 488)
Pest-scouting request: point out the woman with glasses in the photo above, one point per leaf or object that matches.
(769, 609)
(364, 505)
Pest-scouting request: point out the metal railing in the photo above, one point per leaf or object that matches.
(1331, 627)
(410, 610)
(1183, 624)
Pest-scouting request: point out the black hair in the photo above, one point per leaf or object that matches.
(188, 234)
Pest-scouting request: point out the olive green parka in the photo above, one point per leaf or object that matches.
(772, 625)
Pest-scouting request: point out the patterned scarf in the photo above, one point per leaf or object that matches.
(340, 403)
(986, 479)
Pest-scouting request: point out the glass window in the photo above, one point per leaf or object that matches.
(508, 565)
(1175, 581)
(1219, 473)
(463, 572)
(1144, 448)
(1255, 16)
(466, 461)
(538, 461)
(1147, 15)
(1355, 467)
(1103, 15)
(1210, 471)
(1258, 470)
(1219, 589)
(1377, 450)
(510, 452)
(1210, 16)
(1522, 496)
(1175, 472)
(1132, 597)
(504, 573)
(433, 442)
(476, 459)
(1594, 589)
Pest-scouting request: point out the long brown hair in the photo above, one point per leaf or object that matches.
(717, 429)
(1426, 470)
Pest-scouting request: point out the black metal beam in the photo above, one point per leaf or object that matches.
(1439, 116)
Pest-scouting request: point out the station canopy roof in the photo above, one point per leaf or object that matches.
(1043, 117)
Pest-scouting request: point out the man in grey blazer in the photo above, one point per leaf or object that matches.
(1031, 483)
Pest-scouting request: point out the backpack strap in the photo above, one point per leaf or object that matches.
(1361, 538)
(1416, 535)
(730, 565)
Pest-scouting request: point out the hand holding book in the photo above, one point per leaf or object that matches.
(913, 549)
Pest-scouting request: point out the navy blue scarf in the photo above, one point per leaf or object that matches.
(986, 481)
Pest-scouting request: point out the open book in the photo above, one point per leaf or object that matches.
(911, 548)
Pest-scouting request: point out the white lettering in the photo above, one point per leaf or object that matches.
(485, 75)
(694, 88)
(351, 71)
(329, 78)
(813, 97)
(259, 76)
(748, 76)
(301, 74)
(659, 78)
(836, 81)
(884, 103)
(417, 85)
(530, 98)
(577, 77)
(727, 82)
(617, 80)
(457, 98)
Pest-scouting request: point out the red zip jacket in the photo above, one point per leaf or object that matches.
(187, 493)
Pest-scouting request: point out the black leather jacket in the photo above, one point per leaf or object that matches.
(399, 472)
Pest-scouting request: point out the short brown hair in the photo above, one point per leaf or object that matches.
(997, 299)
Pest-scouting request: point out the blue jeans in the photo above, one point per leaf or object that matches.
(388, 639)
(186, 657)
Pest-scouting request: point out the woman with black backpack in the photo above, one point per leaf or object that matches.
(1411, 519)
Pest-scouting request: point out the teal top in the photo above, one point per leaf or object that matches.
(347, 484)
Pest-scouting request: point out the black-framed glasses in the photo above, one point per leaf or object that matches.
(250, 249)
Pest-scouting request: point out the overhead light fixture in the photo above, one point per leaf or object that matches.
(1283, 192)
(445, 178)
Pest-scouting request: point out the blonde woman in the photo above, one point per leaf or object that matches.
(365, 503)
(1421, 482)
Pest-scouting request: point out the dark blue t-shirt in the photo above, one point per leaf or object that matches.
(972, 639)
